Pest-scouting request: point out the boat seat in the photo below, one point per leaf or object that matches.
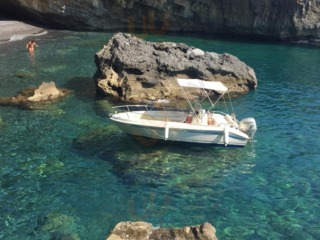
(218, 119)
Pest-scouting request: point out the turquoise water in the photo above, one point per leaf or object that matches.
(68, 170)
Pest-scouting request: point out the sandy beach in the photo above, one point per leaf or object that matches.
(15, 30)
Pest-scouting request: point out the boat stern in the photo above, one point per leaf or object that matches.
(249, 126)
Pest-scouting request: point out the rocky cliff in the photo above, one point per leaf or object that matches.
(285, 19)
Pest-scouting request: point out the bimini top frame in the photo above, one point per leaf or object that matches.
(203, 85)
(197, 83)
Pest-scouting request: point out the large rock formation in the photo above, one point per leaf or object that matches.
(285, 19)
(145, 231)
(132, 69)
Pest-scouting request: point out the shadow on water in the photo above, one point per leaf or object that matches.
(83, 87)
(85, 90)
(152, 163)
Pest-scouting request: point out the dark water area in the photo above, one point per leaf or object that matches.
(67, 170)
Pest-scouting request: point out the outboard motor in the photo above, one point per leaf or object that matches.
(249, 126)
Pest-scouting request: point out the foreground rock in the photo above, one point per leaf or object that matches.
(36, 98)
(145, 231)
(135, 70)
(280, 19)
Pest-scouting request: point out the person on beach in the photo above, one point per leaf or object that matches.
(31, 45)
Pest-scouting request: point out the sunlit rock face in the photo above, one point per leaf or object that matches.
(285, 19)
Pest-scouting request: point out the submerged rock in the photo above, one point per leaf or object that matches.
(58, 226)
(145, 231)
(36, 98)
(2, 123)
(132, 69)
(24, 74)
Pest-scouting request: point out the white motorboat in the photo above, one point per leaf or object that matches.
(195, 125)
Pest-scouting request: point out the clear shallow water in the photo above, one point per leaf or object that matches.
(66, 170)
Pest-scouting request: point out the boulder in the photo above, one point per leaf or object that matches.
(36, 98)
(145, 231)
(131, 69)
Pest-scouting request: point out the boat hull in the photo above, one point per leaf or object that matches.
(182, 132)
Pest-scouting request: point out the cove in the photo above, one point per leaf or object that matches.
(68, 170)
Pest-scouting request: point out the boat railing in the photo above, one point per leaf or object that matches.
(218, 112)
(147, 112)
(130, 108)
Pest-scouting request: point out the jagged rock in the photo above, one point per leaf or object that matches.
(36, 98)
(145, 231)
(285, 19)
(135, 70)
(46, 91)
